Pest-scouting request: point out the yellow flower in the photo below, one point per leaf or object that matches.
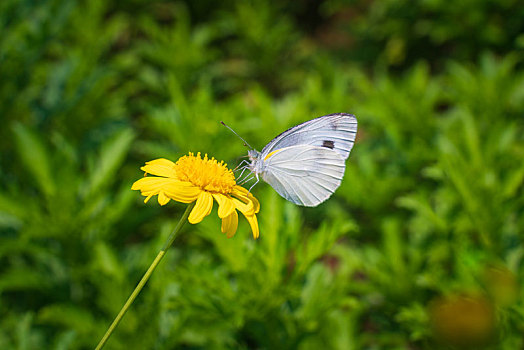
(463, 320)
(193, 178)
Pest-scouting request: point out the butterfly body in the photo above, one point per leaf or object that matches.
(305, 164)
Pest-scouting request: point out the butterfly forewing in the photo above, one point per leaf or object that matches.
(304, 174)
(336, 132)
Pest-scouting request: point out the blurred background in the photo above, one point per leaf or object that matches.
(420, 248)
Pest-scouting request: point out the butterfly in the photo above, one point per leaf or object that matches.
(305, 164)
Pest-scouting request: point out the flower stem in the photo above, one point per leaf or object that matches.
(145, 278)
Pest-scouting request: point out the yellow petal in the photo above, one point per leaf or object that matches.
(141, 183)
(202, 208)
(239, 191)
(180, 191)
(230, 224)
(151, 184)
(253, 222)
(162, 198)
(148, 198)
(248, 204)
(225, 205)
(256, 203)
(160, 167)
(246, 208)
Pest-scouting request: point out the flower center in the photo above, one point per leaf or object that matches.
(208, 174)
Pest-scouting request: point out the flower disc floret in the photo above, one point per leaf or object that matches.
(207, 174)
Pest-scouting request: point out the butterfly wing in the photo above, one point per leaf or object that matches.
(304, 174)
(336, 132)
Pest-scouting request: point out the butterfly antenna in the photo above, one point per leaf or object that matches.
(233, 131)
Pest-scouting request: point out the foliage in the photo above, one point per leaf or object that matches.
(431, 208)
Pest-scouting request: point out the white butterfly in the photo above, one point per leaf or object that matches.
(305, 164)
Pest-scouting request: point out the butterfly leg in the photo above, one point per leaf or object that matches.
(244, 161)
(243, 169)
(256, 176)
(247, 178)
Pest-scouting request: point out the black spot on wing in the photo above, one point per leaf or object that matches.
(328, 144)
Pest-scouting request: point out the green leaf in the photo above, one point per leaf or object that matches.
(35, 157)
(67, 315)
(107, 162)
(21, 279)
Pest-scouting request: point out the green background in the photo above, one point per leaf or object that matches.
(420, 248)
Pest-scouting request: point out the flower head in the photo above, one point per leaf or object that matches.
(193, 178)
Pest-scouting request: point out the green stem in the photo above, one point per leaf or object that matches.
(146, 276)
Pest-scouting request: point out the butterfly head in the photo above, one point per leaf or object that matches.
(253, 155)
(254, 158)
